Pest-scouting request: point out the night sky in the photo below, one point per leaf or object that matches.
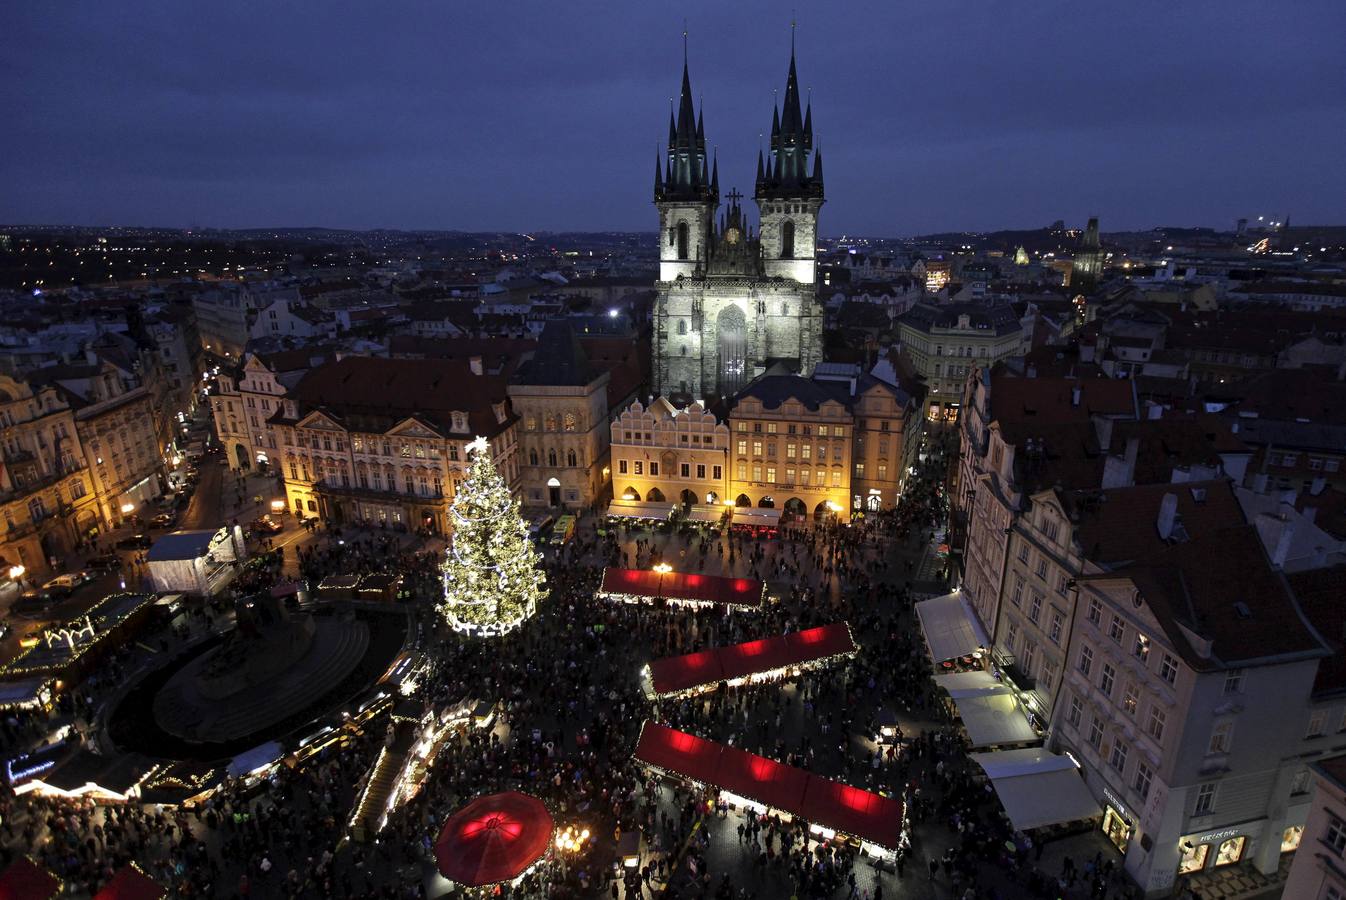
(932, 114)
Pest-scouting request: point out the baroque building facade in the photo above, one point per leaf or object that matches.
(730, 301)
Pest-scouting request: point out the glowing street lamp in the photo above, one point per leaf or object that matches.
(128, 508)
(663, 568)
(16, 572)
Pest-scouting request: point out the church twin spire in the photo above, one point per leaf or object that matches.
(686, 173)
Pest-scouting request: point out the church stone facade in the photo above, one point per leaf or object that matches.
(732, 300)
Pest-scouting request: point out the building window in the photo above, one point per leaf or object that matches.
(1299, 785)
(1107, 679)
(1017, 598)
(571, 459)
(1023, 553)
(685, 470)
(860, 470)
(1221, 737)
(756, 448)
(700, 471)
(1086, 660)
(1130, 699)
(742, 448)
(716, 472)
(532, 456)
(1156, 723)
(1095, 732)
(551, 457)
(742, 472)
(757, 473)
(1141, 649)
(640, 467)
(1076, 712)
(1012, 637)
(1035, 608)
(771, 474)
(621, 467)
(568, 421)
(1095, 610)
(1117, 759)
(1042, 568)
(806, 451)
(1336, 834)
(1116, 629)
(1144, 775)
(1233, 681)
(1317, 723)
(1205, 802)
(1168, 668)
(654, 469)
(790, 450)
(836, 478)
(1057, 626)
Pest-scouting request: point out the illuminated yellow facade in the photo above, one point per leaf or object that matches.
(663, 454)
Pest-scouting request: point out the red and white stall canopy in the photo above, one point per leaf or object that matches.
(799, 649)
(634, 585)
(820, 801)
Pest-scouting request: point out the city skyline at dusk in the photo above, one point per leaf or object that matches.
(931, 119)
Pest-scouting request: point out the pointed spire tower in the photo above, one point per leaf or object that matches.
(789, 190)
(687, 194)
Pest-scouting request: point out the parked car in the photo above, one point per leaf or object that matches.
(105, 563)
(135, 542)
(32, 603)
(64, 585)
(164, 520)
(265, 525)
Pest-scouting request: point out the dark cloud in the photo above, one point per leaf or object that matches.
(932, 115)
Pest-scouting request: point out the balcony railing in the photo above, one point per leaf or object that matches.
(327, 486)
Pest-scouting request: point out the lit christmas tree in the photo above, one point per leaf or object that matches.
(492, 582)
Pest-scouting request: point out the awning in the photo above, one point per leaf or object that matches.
(256, 758)
(635, 509)
(1038, 788)
(755, 516)
(705, 514)
(26, 880)
(951, 627)
(681, 586)
(994, 717)
(818, 800)
(968, 684)
(674, 674)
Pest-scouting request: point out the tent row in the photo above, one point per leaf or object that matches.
(752, 780)
(951, 628)
(682, 588)
(749, 661)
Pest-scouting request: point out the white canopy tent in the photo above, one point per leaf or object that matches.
(705, 514)
(951, 627)
(756, 516)
(635, 509)
(969, 684)
(993, 718)
(1038, 788)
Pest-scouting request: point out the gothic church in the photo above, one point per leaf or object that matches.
(730, 301)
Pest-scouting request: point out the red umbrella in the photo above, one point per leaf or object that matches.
(493, 839)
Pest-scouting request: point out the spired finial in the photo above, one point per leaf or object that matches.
(684, 42)
(793, 24)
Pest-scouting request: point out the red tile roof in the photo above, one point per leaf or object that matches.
(1322, 597)
(1120, 525)
(1050, 400)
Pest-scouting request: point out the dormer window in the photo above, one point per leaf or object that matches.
(459, 421)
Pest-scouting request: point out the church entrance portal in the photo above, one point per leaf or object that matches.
(733, 345)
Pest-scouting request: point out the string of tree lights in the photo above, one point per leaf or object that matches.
(492, 580)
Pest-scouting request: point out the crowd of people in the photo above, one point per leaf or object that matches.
(570, 711)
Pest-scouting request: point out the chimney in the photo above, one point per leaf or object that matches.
(1075, 394)
(1103, 431)
(1168, 515)
(1120, 471)
(475, 365)
(1317, 486)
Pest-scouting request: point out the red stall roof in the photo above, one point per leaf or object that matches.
(683, 586)
(26, 880)
(821, 801)
(678, 751)
(679, 673)
(852, 810)
(762, 655)
(758, 778)
(131, 884)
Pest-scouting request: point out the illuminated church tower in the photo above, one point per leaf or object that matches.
(731, 302)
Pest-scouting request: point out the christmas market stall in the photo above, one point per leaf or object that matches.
(196, 562)
(682, 589)
(494, 839)
(64, 653)
(26, 880)
(131, 883)
(748, 663)
(875, 823)
(83, 773)
(988, 708)
(635, 510)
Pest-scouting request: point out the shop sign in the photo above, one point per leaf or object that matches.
(1218, 836)
(1117, 804)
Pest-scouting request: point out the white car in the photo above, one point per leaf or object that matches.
(67, 582)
